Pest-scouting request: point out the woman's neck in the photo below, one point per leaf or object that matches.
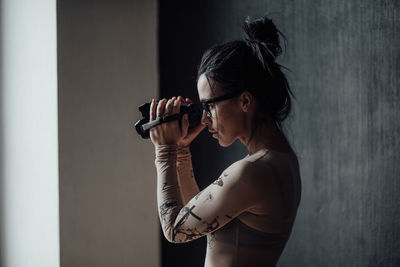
(265, 136)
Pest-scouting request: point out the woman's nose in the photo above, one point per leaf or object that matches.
(204, 118)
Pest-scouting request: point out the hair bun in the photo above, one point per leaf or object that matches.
(263, 30)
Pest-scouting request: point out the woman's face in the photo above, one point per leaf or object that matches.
(227, 119)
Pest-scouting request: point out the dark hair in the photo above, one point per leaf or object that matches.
(249, 64)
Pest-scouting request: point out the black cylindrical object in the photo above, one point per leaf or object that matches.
(143, 126)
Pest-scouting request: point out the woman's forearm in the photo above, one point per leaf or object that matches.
(168, 193)
(187, 182)
(170, 196)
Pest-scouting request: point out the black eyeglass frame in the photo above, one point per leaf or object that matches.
(204, 104)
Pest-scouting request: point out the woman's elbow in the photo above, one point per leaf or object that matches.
(173, 236)
(169, 235)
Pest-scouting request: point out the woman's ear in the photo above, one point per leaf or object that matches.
(246, 99)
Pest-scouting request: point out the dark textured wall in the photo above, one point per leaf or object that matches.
(344, 62)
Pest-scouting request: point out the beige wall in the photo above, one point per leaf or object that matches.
(107, 60)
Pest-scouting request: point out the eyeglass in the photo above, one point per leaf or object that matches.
(206, 104)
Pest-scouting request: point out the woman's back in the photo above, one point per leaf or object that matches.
(258, 235)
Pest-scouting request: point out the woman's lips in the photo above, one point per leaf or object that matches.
(214, 133)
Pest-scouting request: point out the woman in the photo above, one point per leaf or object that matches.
(248, 212)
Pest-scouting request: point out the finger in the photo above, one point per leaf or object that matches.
(160, 107)
(187, 100)
(153, 106)
(168, 107)
(181, 99)
(177, 107)
(185, 124)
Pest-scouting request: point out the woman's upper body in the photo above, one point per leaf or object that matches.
(258, 235)
(248, 212)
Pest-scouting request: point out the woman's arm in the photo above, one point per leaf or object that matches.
(236, 190)
(187, 182)
(182, 137)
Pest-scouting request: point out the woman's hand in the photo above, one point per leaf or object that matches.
(193, 132)
(167, 133)
(170, 133)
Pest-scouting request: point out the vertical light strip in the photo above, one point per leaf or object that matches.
(29, 145)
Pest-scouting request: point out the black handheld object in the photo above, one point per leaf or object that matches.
(143, 126)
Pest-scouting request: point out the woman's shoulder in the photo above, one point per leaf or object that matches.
(251, 167)
(262, 165)
(256, 156)
(268, 156)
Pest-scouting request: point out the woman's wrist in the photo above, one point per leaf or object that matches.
(164, 152)
(183, 153)
(183, 149)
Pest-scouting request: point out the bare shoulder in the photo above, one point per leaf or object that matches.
(252, 172)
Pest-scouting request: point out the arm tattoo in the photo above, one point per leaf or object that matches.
(198, 195)
(188, 211)
(213, 225)
(210, 240)
(190, 234)
(218, 182)
(167, 208)
(209, 197)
